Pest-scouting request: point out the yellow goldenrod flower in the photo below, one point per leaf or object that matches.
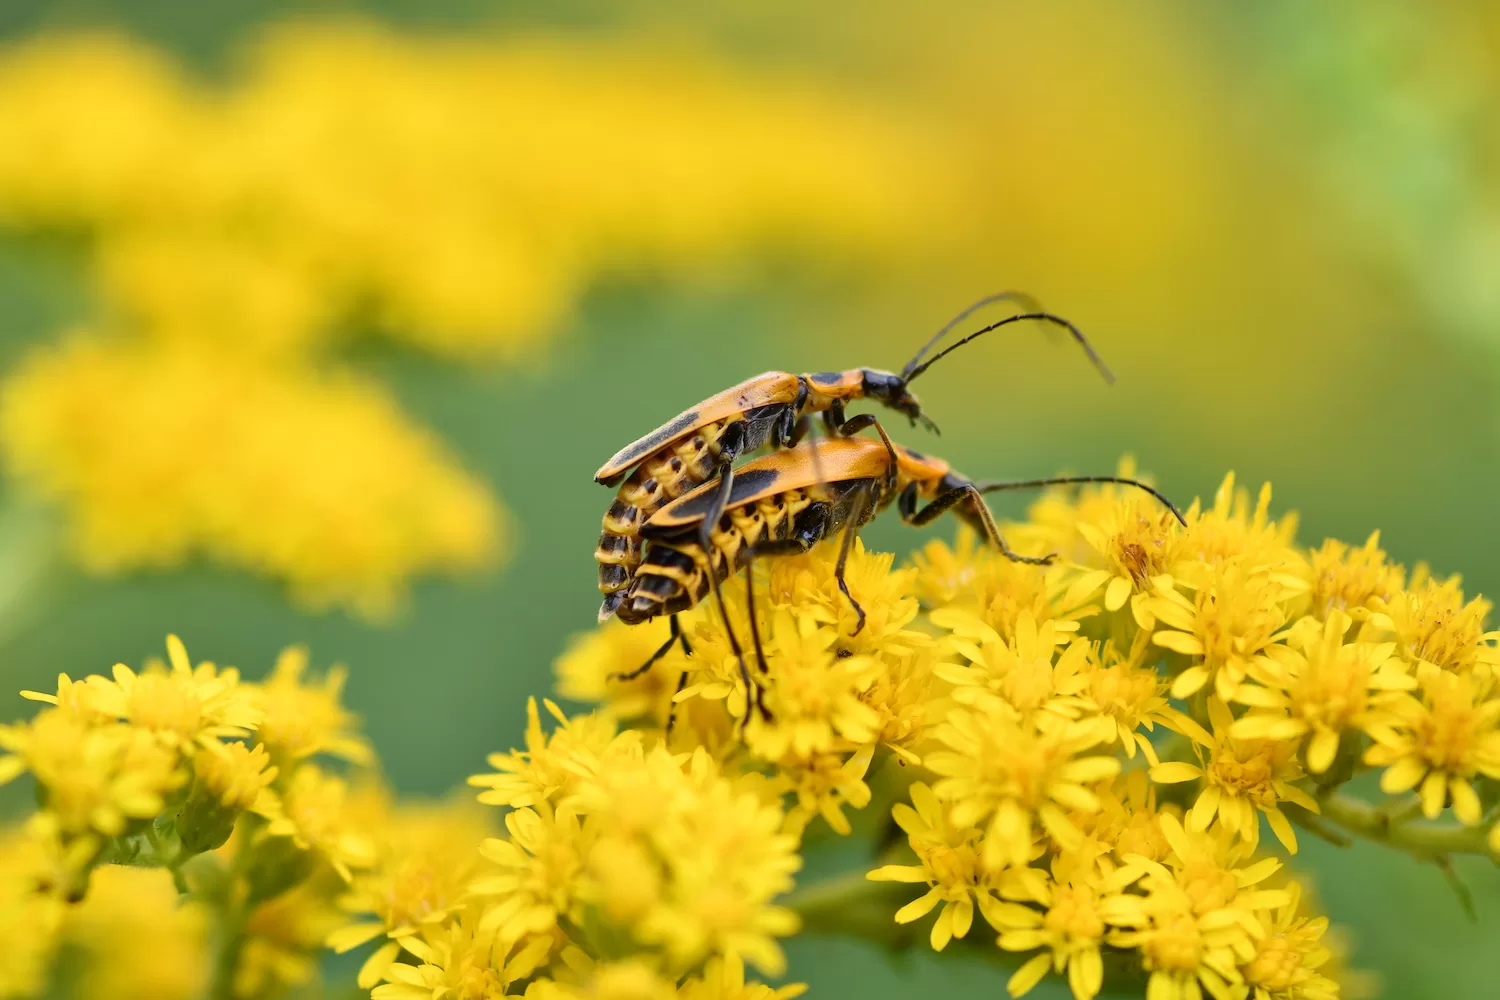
(137, 939)
(1233, 619)
(1020, 672)
(1345, 578)
(721, 856)
(1070, 923)
(1196, 921)
(1017, 772)
(30, 910)
(1122, 687)
(807, 585)
(517, 218)
(317, 479)
(93, 780)
(973, 578)
(1320, 685)
(77, 697)
(724, 979)
(1435, 629)
(459, 961)
(823, 784)
(1241, 777)
(284, 939)
(1439, 743)
(109, 114)
(425, 859)
(538, 872)
(184, 707)
(316, 815)
(816, 702)
(626, 979)
(1133, 538)
(950, 865)
(550, 766)
(1289, 951)
(1233, 531)
(299, 719)
(228, 779)
(591, 667)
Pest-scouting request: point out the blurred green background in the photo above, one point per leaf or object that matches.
(1280, 225)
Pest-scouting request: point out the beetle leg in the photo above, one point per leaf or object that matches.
(760, 652)
(798, 432)
(858, 423)
(944, 501)
(833, 417)
(672, 711)
(666, 647)
(705, 540)
(856, 515)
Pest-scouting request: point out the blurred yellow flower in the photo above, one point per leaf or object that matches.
(426, 856)
(137, 939)
(317, 479)
(93, 780)
(30, 910)
(301, 717)
(316, 817)
(283, 940)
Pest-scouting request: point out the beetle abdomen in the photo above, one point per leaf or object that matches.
(660, 479)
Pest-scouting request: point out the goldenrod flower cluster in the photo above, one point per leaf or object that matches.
(457, 195)
(1081, 756)
(1090, 750)
(183, 778)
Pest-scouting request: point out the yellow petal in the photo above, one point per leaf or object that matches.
(1028, 975)
(1434, 792)
(1173, 771)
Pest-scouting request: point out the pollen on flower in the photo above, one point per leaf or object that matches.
(1435, 628)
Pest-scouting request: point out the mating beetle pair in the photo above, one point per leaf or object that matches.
(685, 519)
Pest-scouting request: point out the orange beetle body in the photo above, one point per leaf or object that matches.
(699, 443)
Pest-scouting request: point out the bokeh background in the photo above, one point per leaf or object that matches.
(315, 320)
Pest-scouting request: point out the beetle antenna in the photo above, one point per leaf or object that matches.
(1019, 298)
(1044, 317)
(1022, 484)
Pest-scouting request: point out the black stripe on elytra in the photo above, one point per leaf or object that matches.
(657, 438)
(746, 484)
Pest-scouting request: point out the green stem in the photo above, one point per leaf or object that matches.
(1423, 840)
(234, 912)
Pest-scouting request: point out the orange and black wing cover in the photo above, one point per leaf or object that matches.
(814, 463)
(762, 390)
